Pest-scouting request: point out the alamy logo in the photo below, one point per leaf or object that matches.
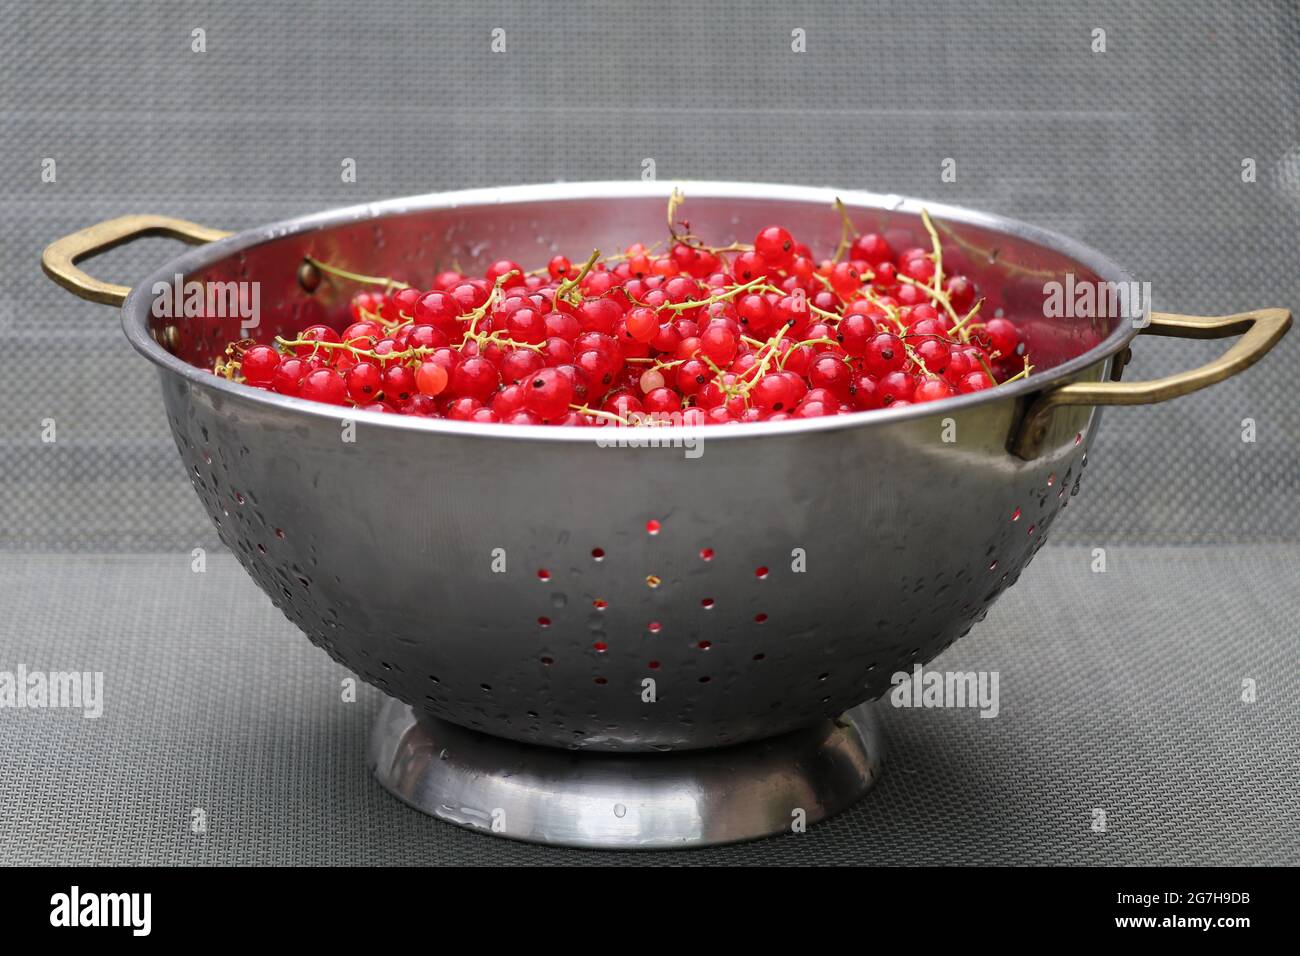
(923, 688)
(645, 430)
(75, 690)
(1073, 299)
(213, 300)
(75, 908)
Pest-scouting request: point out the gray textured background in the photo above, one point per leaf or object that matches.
(1125, 683)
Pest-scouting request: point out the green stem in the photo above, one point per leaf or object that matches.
(596, 413)
(960, 327)
(937, 254)
(720, 297)
(846, 227)
(565, 288)
(385, 281)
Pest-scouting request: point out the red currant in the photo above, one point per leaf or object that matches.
(1003, 337)
(364, 381)
(931, 390)
(896, 387)
(475, 378)
(548, 394)
(662, 401)
(776, 246)
(431, 378)
(559, 267)
(884, 354)
(324, 385)
(259, 364)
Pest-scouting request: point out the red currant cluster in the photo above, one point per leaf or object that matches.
(694, 335)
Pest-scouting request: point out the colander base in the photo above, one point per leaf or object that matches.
(620, 800)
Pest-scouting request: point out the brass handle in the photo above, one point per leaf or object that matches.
(1260, 330)
(61, 256)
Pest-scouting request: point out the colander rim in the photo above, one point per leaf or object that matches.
(137, 306)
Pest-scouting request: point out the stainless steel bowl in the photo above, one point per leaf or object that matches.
(500, 577)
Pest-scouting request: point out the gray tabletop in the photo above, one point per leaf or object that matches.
(1121, 690)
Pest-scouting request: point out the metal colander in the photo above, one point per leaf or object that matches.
(532, 584)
